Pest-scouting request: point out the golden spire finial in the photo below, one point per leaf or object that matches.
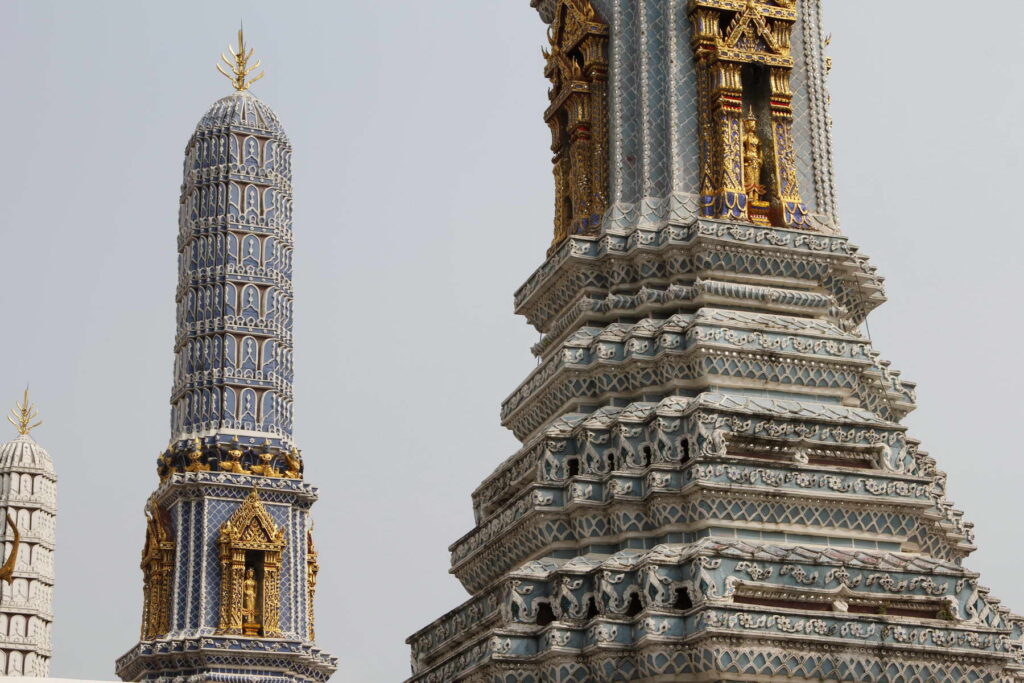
(240, 68)
(22, 416)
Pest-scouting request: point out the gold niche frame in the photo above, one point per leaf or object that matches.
(251, 545)
(157, 573)
(742, 50)
(576, 63)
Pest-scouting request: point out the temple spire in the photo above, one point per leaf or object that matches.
(22, 416)
(240, 67)
(231, 422)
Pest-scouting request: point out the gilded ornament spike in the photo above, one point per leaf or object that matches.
(239, 66)
(22, 416)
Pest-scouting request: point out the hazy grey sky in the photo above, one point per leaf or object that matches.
(422, 200)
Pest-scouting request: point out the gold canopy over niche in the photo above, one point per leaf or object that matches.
(577, 65)
(250, 564)
(745, 106)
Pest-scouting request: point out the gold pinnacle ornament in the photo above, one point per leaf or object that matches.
(240, 68)
(22, 416)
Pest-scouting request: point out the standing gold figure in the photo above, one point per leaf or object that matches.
(753, 161)
(234, 463)
(249, 612)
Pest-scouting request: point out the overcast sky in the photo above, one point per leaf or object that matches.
(423, 198)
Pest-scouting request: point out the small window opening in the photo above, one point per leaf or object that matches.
(574, 466)
(635, 606)
(647, 456)
(545, 615)
(684, 449)
(591, 608)
(682, 600)
(724, 19)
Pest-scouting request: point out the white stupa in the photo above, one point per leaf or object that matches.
(28, 513)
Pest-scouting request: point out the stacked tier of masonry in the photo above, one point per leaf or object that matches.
(714, 483)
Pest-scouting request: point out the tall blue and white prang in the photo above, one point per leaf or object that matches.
(229, 565)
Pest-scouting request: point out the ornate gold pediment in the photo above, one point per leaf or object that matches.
(573, 20)
(252, 527)
(749, 31)
(158, 534)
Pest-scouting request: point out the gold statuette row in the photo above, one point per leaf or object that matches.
(200, 458)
